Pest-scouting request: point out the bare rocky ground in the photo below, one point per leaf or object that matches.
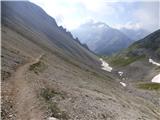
(65, 91)
(140, 72)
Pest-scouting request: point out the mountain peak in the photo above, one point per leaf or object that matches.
(101, 38)
(93, 24)
(102, 25)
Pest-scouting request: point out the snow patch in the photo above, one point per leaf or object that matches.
(123, 84)
(120, 73)
(52, 118)
(153, 62)
(101, 25)
(156, 79)
(105, 66)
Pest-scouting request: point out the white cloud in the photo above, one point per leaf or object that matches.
(72, 13)
(92, 5)
(129, 25)
(148, 15)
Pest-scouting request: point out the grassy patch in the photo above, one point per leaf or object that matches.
(133, 47)
(149, 86)
(158, 68)
(47, 94)
(123, 61)
(56, 112)
(37, 67)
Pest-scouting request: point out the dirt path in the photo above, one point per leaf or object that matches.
(25, 99)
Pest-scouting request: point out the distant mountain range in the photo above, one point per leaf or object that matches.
(135, 34)
(105, 40)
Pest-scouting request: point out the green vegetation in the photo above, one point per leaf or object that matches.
(134, 46)
(123, 61)
(149, 86)
(47, 94)
(158, 51)
(37, 67)
(56, 112)
(157, 68)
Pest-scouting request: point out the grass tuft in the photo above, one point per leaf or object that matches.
(55, 111)
(149, 86)
(47, 93)
(37, 67)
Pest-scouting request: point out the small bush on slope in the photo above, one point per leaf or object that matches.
(37, 67)
(48, 94)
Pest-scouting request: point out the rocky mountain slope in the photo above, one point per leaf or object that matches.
(139, 53)
(149, 46)
(47, 75)
(101, 38)
(135, 34)
(139, 64)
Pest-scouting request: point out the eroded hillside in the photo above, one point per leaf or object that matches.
(48, 75)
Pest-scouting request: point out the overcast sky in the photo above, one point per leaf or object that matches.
(116, 13)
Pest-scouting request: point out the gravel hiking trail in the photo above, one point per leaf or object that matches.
(25, 99)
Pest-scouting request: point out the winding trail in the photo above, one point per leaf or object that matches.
(25, 100)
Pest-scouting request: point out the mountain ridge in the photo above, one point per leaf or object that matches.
(135, 34)
(47, 29)
(101, 38)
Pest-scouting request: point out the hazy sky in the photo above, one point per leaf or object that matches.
(116, 13)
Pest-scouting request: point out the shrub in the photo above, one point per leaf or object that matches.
(57, 113)
(47, 93)
(37, 67)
